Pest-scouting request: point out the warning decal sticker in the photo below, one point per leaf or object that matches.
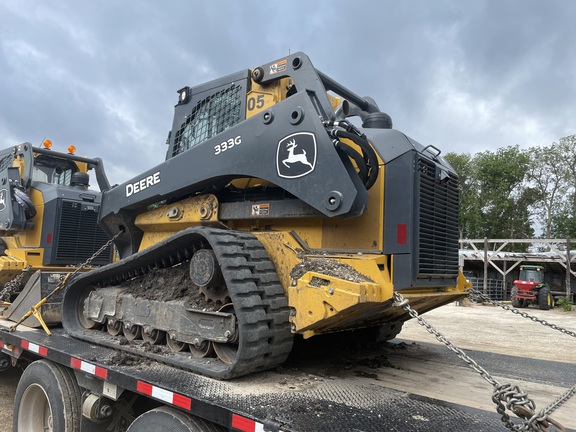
(278, 67)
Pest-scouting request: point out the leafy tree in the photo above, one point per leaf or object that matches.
(500, 191)
(503, 196)
(548, 172)
(564, 219)
(468, 216)
(494, 199)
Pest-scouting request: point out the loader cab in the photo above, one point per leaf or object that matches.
(60, 172)
(52, 170)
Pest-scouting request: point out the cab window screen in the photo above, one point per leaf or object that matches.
(51, 170)
(211, 116)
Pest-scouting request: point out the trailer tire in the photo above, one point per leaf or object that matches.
(166, 419)
(47, 399)
(545, 299)
(5, 363)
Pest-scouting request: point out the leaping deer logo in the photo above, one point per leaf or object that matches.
(296, 160)
(293, 158)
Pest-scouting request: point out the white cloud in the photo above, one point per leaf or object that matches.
(459, 118)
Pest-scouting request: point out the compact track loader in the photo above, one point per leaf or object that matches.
(48, 225)
(273, 215)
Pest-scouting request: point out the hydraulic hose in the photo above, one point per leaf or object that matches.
(25, 202)
(356, 156)
(371, 164)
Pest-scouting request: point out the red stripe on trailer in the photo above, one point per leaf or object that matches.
(242, 423)
(245, 424)
(43, 351)
(1, 344)
(98, 371)
(182, 401)
(164, 395)
(75, 363)
(144, 388)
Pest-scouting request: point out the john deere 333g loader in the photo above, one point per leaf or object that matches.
(272, 215)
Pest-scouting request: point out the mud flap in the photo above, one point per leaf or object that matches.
(38, 286)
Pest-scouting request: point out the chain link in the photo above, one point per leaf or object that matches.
(12, 286)
(542, 415)
(505, 396)
(68, 276)
(487, 299)
(83, 265)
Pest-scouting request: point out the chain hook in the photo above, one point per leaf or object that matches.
(505, 396)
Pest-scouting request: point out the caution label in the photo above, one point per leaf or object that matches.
(278, 67)
(260, 209)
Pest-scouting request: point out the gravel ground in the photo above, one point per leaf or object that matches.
(492, 329)
(7, 391)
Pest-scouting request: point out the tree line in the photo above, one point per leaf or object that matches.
(518, 193)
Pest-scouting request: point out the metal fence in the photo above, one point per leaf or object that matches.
(496, 289)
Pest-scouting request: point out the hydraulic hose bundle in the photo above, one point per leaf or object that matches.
(366, 161)
(25, 202)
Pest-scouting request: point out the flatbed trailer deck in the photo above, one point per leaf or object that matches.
(292, 398)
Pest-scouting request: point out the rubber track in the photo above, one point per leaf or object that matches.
(259, 301)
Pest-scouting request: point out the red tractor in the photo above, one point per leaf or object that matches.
(531, 289)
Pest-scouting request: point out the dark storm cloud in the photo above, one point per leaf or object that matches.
(465, 76)
(524, 47)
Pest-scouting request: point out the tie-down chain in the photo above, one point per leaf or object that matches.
(505, 396)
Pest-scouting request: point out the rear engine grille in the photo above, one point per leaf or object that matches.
(438, 221)
(79, 235)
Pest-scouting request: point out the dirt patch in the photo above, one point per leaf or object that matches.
(171, 283)
(328, 267)
(163, 284)
(375, 362)
(156, 349)
(121, 358)
(124, 359)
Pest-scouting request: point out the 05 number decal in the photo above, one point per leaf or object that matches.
(256, 102)
(227, 145)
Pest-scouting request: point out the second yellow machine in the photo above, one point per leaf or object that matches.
(48, 226)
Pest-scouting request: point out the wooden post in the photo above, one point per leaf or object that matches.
(485, 288)
(504, 281)
(568, 287)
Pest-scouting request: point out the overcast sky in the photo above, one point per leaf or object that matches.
(465, 76)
